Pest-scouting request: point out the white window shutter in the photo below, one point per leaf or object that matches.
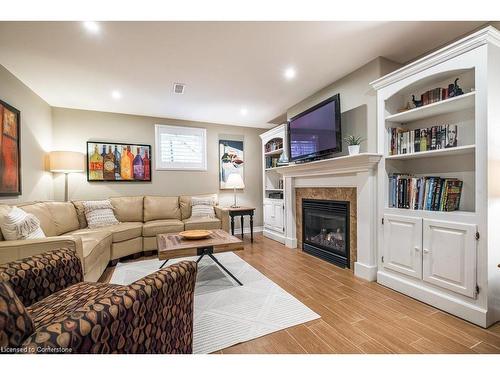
(180, 148)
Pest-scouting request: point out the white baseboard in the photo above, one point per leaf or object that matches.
(365, 271)
(291, 242)
(433, 297)
(273, 235)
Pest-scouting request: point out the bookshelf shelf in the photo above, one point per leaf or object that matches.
(272, 189)
(274, 152)
(455, 151)
(451, 105)
(460, 215)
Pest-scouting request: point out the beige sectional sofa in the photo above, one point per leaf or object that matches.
(141, 219)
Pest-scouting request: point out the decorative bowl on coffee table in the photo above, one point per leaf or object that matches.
(195, 234)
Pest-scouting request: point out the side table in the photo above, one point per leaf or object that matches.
(241, 212)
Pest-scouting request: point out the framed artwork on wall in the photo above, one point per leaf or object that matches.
(118, 162)
(231, 158)
(10, 150)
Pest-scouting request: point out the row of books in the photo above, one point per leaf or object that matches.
(271, 162)
(434, 95)
(424, 193)
(404, 141)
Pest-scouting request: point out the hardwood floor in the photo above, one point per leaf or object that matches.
(356, 316)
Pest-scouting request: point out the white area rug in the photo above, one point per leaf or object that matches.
(225, 313)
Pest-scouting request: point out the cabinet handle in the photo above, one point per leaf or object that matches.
(426, 251)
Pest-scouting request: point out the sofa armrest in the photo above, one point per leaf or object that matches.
(223, 216)
(36, 277)
(152, 315)
(20, 249)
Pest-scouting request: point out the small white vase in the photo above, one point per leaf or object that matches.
(353, 150)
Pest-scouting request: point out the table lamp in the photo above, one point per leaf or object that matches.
(234, 181)
(66, 162)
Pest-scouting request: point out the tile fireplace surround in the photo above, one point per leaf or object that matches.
(334, 194)
(347, 178)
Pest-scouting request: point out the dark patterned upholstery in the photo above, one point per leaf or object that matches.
(39, 276)
(64, 302)
(15, 322)
(152, 315)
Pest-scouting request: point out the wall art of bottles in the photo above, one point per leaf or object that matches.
(118, 162)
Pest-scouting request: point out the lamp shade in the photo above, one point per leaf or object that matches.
(66, 161)
(234, 181)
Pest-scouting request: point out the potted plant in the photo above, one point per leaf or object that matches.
(353, 143)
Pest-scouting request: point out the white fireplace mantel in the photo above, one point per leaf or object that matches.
(341, 165)
(346, 171)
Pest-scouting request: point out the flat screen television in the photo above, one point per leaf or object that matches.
(316, 132)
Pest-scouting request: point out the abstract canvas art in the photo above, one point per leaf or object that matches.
(230, 160)
(10, 153)
(120, 162)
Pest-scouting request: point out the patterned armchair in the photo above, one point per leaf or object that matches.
(46, 307)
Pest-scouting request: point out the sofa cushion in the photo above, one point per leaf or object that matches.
(160, 208)
(202, 223)
(62, 303)
(99, 213)
(80, 213)
(120, 232)
(16, 324)
(152, 228)
(4, 210)
(42, 212)
(128, 208)
(64, 216)
(20, 225)
(94, 243)
(185, 203)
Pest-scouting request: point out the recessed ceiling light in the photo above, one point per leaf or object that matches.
(91, 26)
(290, 73)
(244, 111)
(115, 94)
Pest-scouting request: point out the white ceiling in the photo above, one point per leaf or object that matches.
(226, 66)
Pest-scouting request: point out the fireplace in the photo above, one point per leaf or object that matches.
(325, 230)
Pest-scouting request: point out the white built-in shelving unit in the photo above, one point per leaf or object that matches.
(274, 221)
(446, 259)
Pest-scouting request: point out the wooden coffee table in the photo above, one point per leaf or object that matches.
(171, 245)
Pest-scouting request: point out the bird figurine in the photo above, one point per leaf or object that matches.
(416, 103)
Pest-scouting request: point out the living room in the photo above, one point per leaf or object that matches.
(241, 187)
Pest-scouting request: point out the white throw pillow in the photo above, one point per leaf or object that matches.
(17, 224)
(99, 213)
(202, 207)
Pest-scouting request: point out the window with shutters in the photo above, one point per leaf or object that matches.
(181, 148)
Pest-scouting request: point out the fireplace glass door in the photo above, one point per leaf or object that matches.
(325, 231)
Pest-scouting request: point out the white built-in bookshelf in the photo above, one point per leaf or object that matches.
(443, 258)
(273, 148)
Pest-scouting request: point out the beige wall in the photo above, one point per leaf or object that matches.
(36, 138)
(73, 128)
(357, 101)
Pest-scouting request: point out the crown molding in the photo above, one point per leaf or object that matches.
(486, 35)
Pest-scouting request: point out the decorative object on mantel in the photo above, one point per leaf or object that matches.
(10, 151)
(66, 162)
(234, 181)
(353, 143)
(230, 160)
(120, 162)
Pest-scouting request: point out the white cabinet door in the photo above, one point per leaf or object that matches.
(268, 215)
(449, 258)
(278, 217)
(403, 244)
